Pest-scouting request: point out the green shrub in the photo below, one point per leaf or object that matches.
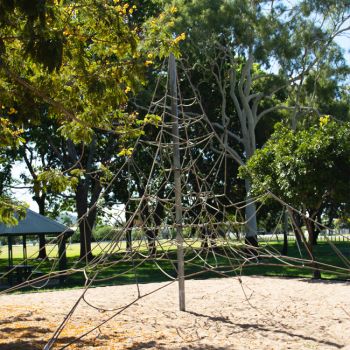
(104, 233)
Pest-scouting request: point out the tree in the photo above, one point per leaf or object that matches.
(10, 138)
(39, 155)
(230, 47)
(305, 168)
(69, 56)
(82, 61)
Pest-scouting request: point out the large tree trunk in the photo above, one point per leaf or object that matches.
(311, 243)
(285, 234)
(42, 241)
(297, 223)
(128, 237)
(88, 187)
(151, 241)
(84, 223)
(251, 237)
(147, 221)
(316, 229)
(208, 237)
(40, 198)
(307, 243)
(154, 219)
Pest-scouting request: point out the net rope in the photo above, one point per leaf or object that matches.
(144, 227)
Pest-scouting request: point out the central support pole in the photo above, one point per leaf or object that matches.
(177, 181)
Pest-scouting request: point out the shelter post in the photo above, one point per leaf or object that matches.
(25, 256)
(9, 241)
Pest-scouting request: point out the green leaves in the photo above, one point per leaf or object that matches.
(161, 37)
(84, 60)
(11, 211)
(9, 135)
(153, 119)
(57, 181)
(77, 58)
(76, 131)
(305, 167)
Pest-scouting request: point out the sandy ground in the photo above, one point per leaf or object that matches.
(261, 313)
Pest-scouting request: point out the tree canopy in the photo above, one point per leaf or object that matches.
(250, 62)
(70, 71)
(307, 168)
(67, 71)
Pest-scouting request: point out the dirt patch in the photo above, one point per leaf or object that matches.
(259, 313)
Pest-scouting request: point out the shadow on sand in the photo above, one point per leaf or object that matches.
(245, 326)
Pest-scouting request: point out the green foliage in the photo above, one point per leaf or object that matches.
(10, 138)
(269, 29)
(72, 67)
(57, 180)
(82, 60)
(104, 233)
(11, 211)
(152, 119)
(160, 35)
(9, 135)
(306, 167)
(91, 61)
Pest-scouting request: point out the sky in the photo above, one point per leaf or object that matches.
(23, 194)
(344, 42)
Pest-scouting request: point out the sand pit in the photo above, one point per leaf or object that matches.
(267, 313)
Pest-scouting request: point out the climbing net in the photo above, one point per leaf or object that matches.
(195, 216)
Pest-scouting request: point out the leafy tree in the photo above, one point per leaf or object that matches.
(10, 138)
(39, 155)
(306, 168)
(230, 47)
(82, 61)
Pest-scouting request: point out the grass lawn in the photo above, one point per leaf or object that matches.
(119, 268)
(52, 252)
(74, 248)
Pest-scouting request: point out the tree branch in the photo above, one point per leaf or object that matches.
(229, 133)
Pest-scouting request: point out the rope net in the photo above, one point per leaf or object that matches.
(146, 232)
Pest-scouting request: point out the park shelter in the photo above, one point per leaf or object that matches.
(35, 224)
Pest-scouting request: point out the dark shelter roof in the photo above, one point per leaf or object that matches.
(34, 224)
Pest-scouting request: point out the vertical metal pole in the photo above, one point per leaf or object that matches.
(177, 181)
